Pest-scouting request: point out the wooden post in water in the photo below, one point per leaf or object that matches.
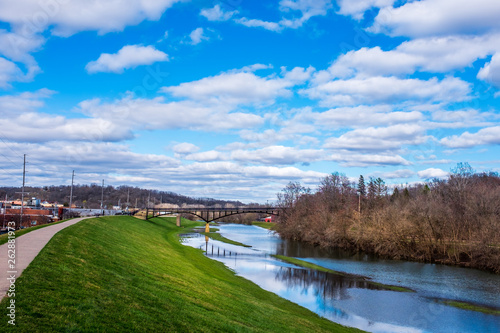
(207, 227)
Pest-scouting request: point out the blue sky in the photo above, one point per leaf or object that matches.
(234, 99)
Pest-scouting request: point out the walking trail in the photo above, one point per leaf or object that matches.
(27, 248)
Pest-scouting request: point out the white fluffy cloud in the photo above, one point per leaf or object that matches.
(374, 90)
(14, 105)
(36, 127)
(435, 55)
(350, 159)
(294, 14)
(197, 36)
(256, 23)
(8, 72)
(217, 13)
(489, 135)
(491, 71)
(185, 148)
(240, 87)
(355, 117)
(270, 155)
(357, 8)
(277, 155)
(432, 173)
(157, 113)
(438, 17)
(129, 56)
(67, 17)
(378, 139)
(17, 49)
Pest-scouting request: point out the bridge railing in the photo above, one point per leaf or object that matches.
(209, 214)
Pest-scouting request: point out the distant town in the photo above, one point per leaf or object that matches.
(42, 205)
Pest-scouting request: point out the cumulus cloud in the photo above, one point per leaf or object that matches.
(256, 23)
(23, 122)
(36, 127)
(277, 155)
(185, 148)
(374, 90)
(66, 18)
(355, 117)
(489, 135)
(156, 113)
(17, 49)
(442, 17)
(357, 8)
(8, 72)
(491, 71)
(217, 13)
(432, 173)
(403, 173)
(378, 139)
(129, 56)
(14, 105)
(349, 159)
(294, 14)
(239, 87)
(307, 9)
(270, 155)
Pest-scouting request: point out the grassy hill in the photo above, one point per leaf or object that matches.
(121, 274)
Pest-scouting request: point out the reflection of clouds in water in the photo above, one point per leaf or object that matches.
(349, 300)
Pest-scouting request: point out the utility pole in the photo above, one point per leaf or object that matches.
(4, 210)
(22, 191)
(71, 193)
(102, 197)
(149, 197)
(136, 203)
(128, 197)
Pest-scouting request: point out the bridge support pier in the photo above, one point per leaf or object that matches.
(207, 227)
(178, 220)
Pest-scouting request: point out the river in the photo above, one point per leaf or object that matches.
(350, 300)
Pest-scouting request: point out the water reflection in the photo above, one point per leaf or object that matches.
(352, 300)
(332, 286)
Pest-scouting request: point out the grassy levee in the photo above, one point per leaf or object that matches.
(121, 274)
(265, 225)
(218, 237)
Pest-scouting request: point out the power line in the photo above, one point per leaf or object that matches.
(5, 143)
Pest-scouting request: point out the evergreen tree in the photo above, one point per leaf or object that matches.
(361, 186)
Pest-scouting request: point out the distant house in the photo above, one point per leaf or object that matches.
(30, 216)
(269, 219)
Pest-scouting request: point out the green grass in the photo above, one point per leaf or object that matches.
(472, 307)
(122, 274)
(218, 237)
(4, 238)
(306, 264)
(266, 225)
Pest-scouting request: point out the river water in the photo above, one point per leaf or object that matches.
(351, 300)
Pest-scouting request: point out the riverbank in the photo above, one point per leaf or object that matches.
(118, 274)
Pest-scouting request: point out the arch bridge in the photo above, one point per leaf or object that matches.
(210, 214)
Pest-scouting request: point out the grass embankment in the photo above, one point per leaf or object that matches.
(5, 237)
(218, 237)
(472, 307)
(121, 274)
(306, 264)
(265, 225)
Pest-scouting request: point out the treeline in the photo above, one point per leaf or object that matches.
(89, 196)
(452, 221)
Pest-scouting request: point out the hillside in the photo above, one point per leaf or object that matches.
(89, 196)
